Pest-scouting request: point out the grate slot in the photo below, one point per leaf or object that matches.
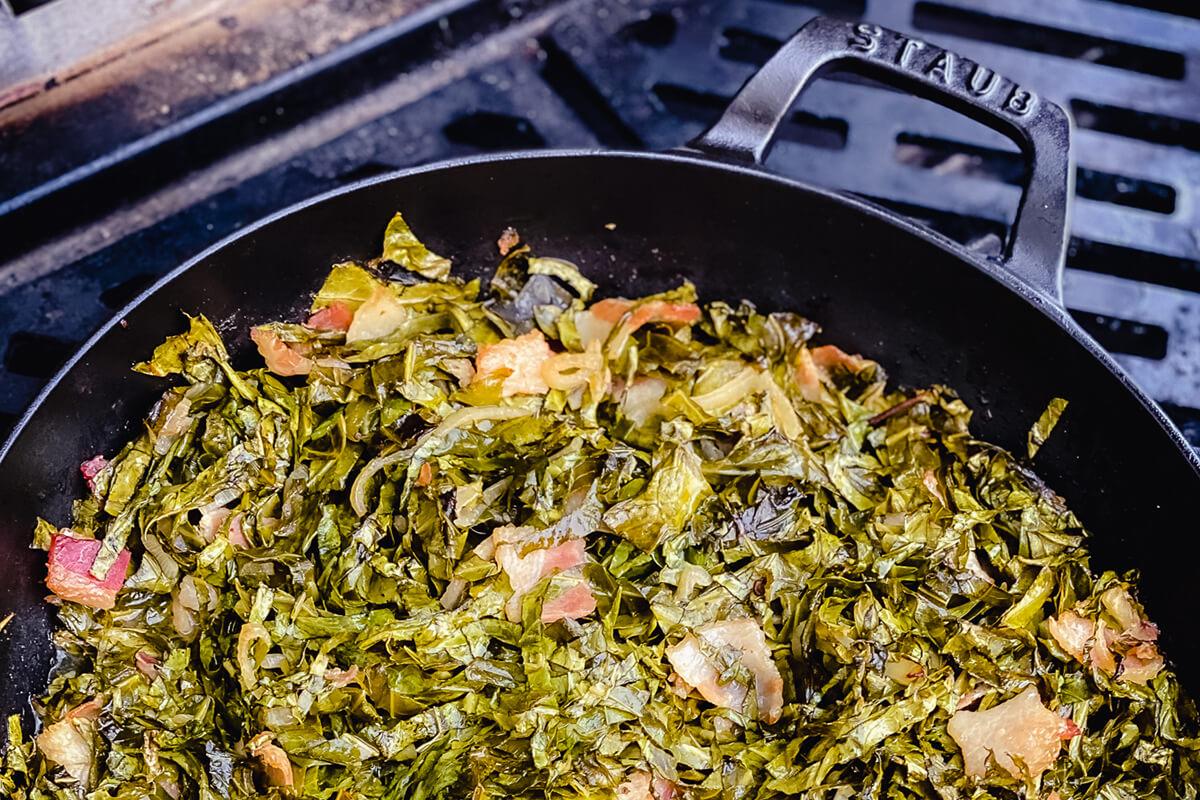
(24, 6)
(1134, 264)
(1121, 190)
(489, 131)
(1143, 125)
(583, 98)
(368, 169)
(954, 21)
(1124, 335)
(1181, 8)
(833, 8)
(37, 355)
(656, 30)
(947, 157)
(118, 296)
(746, 47)
(690, 105)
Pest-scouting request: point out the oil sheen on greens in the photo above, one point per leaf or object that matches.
(431, 565)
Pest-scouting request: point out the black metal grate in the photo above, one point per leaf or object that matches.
(653, 74)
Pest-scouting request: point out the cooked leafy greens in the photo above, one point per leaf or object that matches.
(1045, 425)
(459, 541)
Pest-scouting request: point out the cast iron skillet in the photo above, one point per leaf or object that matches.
(926, 308)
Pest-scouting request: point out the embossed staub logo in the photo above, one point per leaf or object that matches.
(954, 72)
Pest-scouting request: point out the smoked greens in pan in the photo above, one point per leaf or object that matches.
(447, 539)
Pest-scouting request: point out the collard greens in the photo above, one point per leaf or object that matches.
(468, 547)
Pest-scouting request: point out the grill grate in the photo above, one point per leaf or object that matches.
(642, 74)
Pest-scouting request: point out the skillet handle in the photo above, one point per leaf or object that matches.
(1034, 252)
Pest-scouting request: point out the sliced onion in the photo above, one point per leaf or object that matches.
(572, 371)
(729, 393)
(592, 329)
(177, 421)
(381, 314)
(68, 743)
(903, 670)
(250, 635)
(185, 607)
(279, 717)
(453, 596)
(641, 399)
(783, 413)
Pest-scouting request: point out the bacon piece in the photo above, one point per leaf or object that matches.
(212, 521)
(341, 677)
(336, 316)
(280, 358)
(662, 311)
(509, 238)
(700, 671)
(813, 365)
(519, 360)
(1141, 664)
(1020, 727)
(91, 468)
(610, 309)
(424, 475)
(236, 536)
(678, 314)
(828, 356)
(68, 742)
(69, 575)
(1086, 640)
(146, 663)
(274, 760)
(635, 787)
(1101, 652)
(641, 785)
(697, 670)
(1073, 633)
(573, 603)
(526, 570)
(528, 556)
(930, 481)
(809, 378)
(88, 710)
(598, 321)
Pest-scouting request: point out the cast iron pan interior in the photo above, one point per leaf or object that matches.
(881, 288)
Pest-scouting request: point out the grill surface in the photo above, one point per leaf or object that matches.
(81, 234)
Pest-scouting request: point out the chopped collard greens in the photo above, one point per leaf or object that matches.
(460, 540)
(1045, 424)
